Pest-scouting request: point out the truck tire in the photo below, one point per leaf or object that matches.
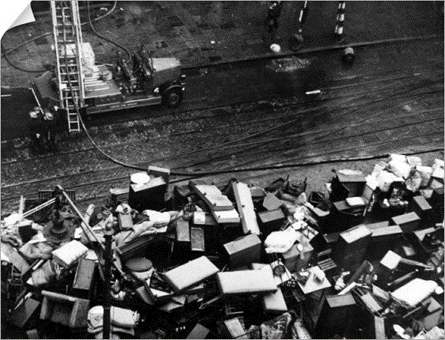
(172, 97)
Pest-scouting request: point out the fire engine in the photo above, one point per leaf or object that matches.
(79, 86)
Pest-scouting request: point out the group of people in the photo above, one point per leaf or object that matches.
(43, 129)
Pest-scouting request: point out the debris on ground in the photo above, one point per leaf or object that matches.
(362, 260)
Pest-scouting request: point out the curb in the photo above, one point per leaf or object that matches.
(312, 50)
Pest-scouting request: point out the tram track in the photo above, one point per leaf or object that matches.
(310, 139)
(261, 154)
(308, 145)
(100, 189)
(295, 122)
(70, 159)
(72, 147)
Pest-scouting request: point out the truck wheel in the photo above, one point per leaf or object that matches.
(172, 97)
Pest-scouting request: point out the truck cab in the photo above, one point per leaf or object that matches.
(141, 81)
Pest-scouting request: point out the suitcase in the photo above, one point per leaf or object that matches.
(244, 250)
(350, 249)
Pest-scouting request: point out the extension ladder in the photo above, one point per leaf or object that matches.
(67, 43)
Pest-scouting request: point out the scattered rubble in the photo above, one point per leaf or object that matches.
(363, 260)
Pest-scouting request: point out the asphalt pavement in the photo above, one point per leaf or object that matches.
(203, 34)
(212, 32)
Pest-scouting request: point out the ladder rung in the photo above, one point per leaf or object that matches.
(68, 74)
(67, 82)
(73, 76)
(72, 62)
(64, 40)
(71, 72)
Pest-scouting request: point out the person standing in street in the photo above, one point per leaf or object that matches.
(51, 128)
(273, 13)
(36, 130)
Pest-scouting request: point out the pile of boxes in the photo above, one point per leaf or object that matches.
(364, 260)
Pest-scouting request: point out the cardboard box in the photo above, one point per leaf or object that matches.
(244, 250)
(22, 314)
(83, 280)
(271, 202)
(274, 302)
(271, 220)
(335, 315)
(350, 249)
(383, 238)
(421, 207)
(388, 266)
(149, 195)
(347, 185)
(407, 222)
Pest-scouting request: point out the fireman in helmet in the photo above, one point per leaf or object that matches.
(51, 128)
(273, 13)
(36, 130)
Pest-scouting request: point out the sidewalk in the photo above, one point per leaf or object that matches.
(201, 33)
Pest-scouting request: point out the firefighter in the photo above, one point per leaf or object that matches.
(36, 130)
(51, 128)
(273, 13)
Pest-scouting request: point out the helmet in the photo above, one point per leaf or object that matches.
(34, 114)
(275, 48)
(49, 115)
(36, 108)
